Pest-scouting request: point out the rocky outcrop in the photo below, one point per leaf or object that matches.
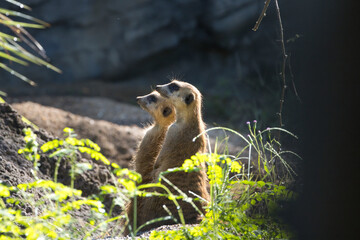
(121, 39)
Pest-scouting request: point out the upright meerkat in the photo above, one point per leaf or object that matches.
(163, 114)
(178, 147)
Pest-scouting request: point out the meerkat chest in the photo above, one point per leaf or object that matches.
(174, 130)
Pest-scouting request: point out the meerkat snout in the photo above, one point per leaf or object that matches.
(173, 87)
(158, 106)
(167, 89)
(145, 101)
(151, 99)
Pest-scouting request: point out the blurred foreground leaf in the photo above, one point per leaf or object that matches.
(21, 47)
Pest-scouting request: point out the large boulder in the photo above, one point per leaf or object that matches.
(119, 39)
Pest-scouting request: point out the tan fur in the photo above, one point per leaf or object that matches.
(152, 141)
(177, 147)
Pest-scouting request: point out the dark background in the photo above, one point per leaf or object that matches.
(119, 49)
(327, 64)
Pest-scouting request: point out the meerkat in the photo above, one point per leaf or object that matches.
(163, 114)
(179, 146)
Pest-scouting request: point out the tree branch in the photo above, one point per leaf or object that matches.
(284, 55)
(262, 15)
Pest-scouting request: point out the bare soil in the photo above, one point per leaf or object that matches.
(118, 142)
(16, 169)
(116, 126)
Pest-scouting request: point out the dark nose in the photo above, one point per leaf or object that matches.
(152, 99)
(138, 99)
(157, 88)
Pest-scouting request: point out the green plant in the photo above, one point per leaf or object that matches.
(68, 149)
(31, 150)
(52, 204)
(13, 46)
(61, 200)
(128, 180)
(243, 203)
(2, 94)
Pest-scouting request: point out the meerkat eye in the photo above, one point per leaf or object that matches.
(152, 99)
(167, 111)
(189, 99)
(173, 87)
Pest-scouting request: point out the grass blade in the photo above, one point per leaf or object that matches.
(21, 24)
(28, 56)
(19, 4)
(23, 35)
(13, 59)
(7, 36)
(224, 129)
(22, 77)
(18, 14)
(154, 221)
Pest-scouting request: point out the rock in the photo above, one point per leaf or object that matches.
(113, 39)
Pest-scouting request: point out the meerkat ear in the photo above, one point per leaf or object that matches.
(189, 99)
(167, 111)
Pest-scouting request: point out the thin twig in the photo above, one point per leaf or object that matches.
(283, 77)
(262, 15)
(292, 79)
(284, 55)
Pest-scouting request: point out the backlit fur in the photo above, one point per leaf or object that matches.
(178, 146)
(163, 114)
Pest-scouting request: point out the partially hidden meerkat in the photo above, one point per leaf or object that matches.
(178, 147)
(163, 114)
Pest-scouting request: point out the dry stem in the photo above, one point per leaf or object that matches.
(262, 15)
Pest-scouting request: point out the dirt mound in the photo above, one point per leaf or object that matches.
(118, 143)
(81, 113)
(15, 168)
(93, 107)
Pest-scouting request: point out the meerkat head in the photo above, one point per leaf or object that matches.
(185, 97)
(160, 108)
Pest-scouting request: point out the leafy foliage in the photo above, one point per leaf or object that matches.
(17, 44)
(243, 204)
(241, 207)
(51, 218)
